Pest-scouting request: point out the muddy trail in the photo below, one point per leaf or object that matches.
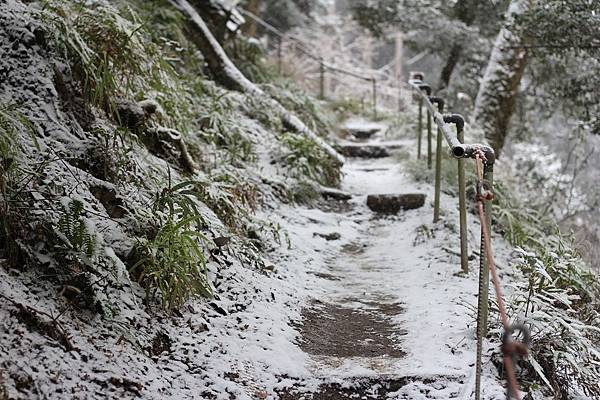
(353, 328)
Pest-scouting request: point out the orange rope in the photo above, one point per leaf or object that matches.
(510, 372)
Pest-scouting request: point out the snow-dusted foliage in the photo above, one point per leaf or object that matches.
(166, 237)
(232, 77)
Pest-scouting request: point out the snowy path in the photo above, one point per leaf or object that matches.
(389, 317)
(376, 313)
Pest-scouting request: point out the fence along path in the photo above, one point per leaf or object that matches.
(380, 84)
(484, 157)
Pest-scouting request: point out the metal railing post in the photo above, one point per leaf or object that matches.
(427, 89)
(479, 152)
(484, 283)
(438, 169)
(419, 129)
(428, 140)
(459, 121)
(462, 209)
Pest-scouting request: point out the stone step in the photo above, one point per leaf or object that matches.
(364, 151)
(393, 203)
(335, 194)
(362, 134)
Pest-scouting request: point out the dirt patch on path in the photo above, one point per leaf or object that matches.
(337, 330)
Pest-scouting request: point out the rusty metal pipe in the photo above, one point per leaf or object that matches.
(425, 87)
(459, 121)
(438, 166)
(458, 149)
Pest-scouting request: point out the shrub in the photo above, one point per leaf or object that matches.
(249, 56)
(13, 178)
(346, 107)
(304, 106)
(112, 55)
(230, 196)
(75, 242)
(106, 57)
(220, 126)
(171, 262)
(305, 159)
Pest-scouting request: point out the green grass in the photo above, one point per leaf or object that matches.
(105, 53)
(311, 111)
(346, 107)
(173, 265)
(220, 125)
(230, 196)
(250, 58)
(14, 176)
(115, 54)
(170, 262)
(305, 159)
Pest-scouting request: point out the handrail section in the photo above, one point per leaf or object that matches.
(458, 149)
(483, 155)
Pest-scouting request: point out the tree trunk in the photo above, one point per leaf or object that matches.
(228, 75)
(497, 95)
(453, 58)
(249, 28)
(464, 11)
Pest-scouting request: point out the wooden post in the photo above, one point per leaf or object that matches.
(398, 56)
(398, 66)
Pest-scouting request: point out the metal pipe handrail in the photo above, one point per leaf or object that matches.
(374, 76)
(347, 72)
(458, 149)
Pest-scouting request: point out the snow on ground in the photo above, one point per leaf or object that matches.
(245, 343)
(400, 264)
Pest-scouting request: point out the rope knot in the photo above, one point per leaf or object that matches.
(484, 191)
(513, 348)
